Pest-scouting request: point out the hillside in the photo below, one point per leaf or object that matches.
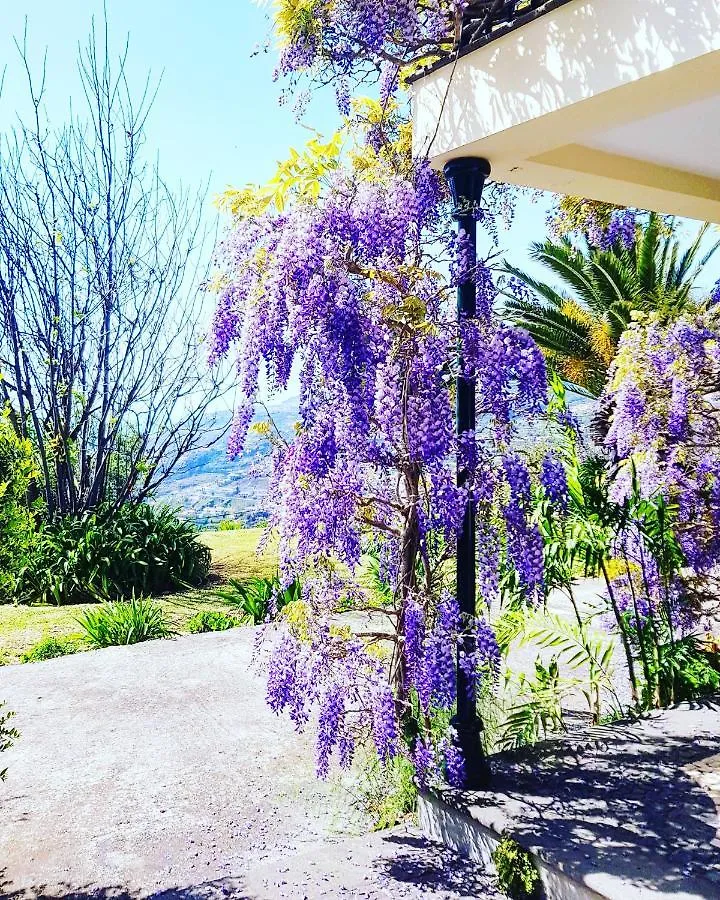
(211, 487)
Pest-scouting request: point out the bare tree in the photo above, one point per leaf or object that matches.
(102, 268)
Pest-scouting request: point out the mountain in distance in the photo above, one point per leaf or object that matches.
(209, 487)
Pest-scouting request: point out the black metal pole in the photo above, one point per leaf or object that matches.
(466, 178)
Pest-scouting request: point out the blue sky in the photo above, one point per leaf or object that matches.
(217, 114)
(217, 117)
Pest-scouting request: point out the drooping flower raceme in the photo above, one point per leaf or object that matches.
(665, 426)
(554, 479)
(620, 230)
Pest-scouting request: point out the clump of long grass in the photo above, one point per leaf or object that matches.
(124, 622)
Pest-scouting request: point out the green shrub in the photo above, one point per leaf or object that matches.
(107, 555)
(17, 524)
(684, 670)
(386, 794)
(8, 735)
(49, 648)
(230, 525)
(211, 621)
(259, 598)
(517, 874)
(120, 623)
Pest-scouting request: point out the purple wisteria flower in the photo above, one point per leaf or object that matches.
(620, 232)
(554, 479)
(454, 764)
(715, 294)
(425, 763)
(385, 727)
(332, 711)
(524, 540)
(414, 641)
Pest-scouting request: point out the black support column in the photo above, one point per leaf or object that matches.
(466, 178)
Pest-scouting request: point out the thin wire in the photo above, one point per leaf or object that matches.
(444, 100)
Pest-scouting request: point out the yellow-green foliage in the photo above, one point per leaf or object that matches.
(297, 18)
(516, 872)
(296, 614)
(230, 525)
(17, 474)
(300, 176)
(17, 462)
(8, 735)
(616, 568)
(575, 214)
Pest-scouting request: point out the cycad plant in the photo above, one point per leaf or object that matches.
(260, 599)
(578, 317)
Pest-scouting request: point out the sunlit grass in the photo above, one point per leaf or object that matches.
(234, 555)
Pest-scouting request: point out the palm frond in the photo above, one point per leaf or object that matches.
(568, 264)
(579, 317)
(544, 291)
(646, 256)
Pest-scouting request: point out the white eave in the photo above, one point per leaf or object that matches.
(618, 100)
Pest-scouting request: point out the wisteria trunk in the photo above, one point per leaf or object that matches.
(407, 580)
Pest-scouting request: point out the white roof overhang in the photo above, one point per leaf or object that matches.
(617, 100)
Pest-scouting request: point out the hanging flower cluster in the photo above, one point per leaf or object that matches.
(664, 393)
(553, 478)
(620, 230)
(353, 39)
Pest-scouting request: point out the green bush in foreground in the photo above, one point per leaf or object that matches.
(17, 526)
(384, 794)
(8, 735)
(517, 874)
(120, 623)
(211, 621)
(49, 648)
(107, 555)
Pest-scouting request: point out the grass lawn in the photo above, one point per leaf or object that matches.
(234, 555)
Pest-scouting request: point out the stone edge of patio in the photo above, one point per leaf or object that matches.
(473, 824)
(464, 831)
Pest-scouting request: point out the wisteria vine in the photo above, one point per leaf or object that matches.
(350, 292)
(348, 285)
(349, 41)
(663, 391)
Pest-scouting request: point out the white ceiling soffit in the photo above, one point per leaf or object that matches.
(613, 99)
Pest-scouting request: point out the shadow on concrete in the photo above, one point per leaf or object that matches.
(635, 800)
(432, 867)
(208, 890)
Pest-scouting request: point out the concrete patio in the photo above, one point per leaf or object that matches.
(629, 810)
(158, 771)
